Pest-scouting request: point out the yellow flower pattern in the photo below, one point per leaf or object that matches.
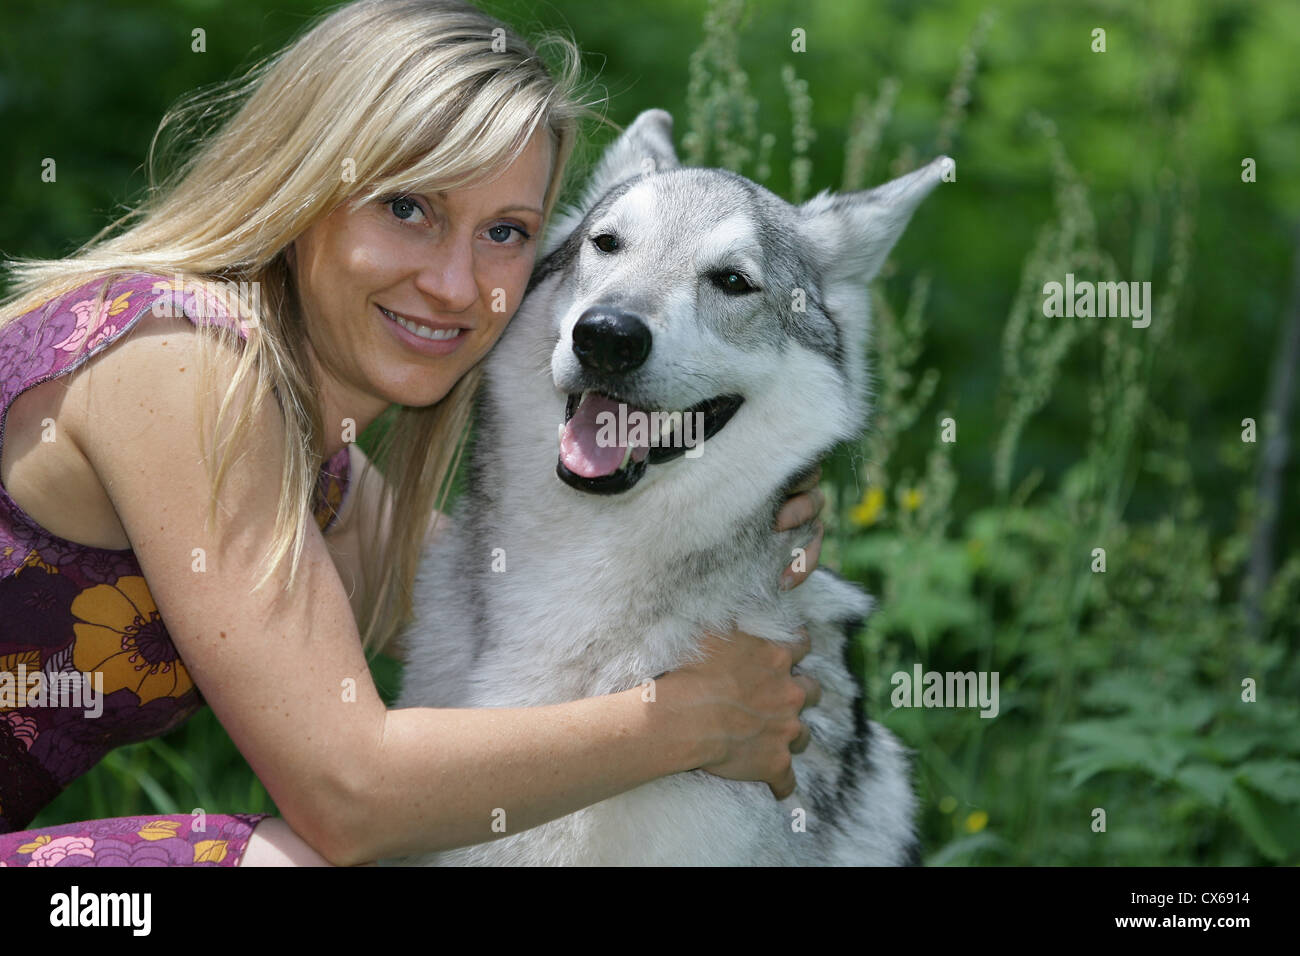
(120, 633)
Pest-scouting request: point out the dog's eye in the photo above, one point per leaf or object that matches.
(732, 282)
(605, 242)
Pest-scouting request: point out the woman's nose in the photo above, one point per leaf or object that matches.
(448, 276)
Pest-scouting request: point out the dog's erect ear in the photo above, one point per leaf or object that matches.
(644, 147)
(853, 232)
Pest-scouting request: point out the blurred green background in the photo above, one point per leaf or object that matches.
(1121, 691)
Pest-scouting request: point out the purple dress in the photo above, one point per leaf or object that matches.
(68, 610)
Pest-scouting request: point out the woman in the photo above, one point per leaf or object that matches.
(382, 186)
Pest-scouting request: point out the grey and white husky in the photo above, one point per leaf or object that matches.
(670, 289)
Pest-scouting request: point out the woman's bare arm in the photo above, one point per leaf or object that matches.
(285, 674)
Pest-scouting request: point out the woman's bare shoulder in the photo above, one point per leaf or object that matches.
(49, 437)
(105, 399)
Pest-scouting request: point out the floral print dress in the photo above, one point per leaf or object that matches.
(68, 610)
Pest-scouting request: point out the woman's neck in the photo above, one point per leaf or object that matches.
(346, 410)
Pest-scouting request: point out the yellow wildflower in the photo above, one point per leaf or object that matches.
(867, 510)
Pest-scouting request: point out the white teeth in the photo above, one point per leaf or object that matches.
(422, 331)
(626, 458)
(666, 431)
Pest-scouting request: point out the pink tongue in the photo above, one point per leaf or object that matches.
(579, 449)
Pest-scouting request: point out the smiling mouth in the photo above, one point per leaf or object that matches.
(423, 331)
(612, 467)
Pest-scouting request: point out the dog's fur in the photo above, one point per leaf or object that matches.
(542, 592)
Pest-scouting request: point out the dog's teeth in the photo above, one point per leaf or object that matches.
(666, 431)
(559, 433)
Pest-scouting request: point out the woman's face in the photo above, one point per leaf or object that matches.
(403, 296)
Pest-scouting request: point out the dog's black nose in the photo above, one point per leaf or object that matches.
(610, 340)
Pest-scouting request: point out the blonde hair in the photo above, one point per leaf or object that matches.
(380, 97)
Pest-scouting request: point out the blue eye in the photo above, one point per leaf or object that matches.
(404, 207)
(500, 234)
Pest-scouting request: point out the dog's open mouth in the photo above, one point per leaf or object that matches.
(606, 443)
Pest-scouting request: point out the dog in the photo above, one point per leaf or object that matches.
(590, 567)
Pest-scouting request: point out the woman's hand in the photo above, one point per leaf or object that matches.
(746, 703)
(804, 505)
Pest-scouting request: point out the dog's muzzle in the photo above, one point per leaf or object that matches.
(606, 442)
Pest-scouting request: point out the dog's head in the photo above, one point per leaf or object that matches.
(699, 319)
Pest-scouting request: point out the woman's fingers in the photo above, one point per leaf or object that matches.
(812, 695)
(759, 725)
(800, 509)
(812, 688)
(800, 743)
(799, 650)
(785, 786)
(791, 577)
